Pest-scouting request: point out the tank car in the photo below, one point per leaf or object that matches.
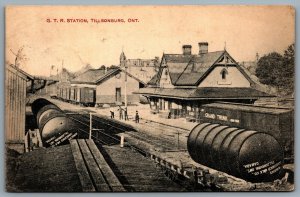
(251, 155)
(52, 121)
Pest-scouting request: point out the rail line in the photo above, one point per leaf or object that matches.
(160, 140)
(85, 121)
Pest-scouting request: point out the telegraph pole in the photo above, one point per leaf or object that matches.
(91, 127)
(125, 85)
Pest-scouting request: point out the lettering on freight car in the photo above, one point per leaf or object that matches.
(234, 120)
(221, 117)
(250, 165)
(211, 116)
(256, 169)
(274, 166)
(273, 171)
(264, 165)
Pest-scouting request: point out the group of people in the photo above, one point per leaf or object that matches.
(125, 116)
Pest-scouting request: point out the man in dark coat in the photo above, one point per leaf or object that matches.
(137, 117)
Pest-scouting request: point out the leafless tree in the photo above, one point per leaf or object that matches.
(21, 57)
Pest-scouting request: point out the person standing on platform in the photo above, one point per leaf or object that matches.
(112, 114)
(137, 117)
(120, 113)
(126, 114)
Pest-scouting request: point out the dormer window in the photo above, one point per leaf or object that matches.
(224, 73)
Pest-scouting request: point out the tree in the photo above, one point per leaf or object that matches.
(289, 68)
(21, 57)
(102, 67)
(113, 67)
(268, 68)
(277, 70)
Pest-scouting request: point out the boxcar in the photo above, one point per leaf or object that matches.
(68, 94)
(64, 97)
(77, 95)
(72, 95)
(278, 122)
(87, 96)
(63, 92)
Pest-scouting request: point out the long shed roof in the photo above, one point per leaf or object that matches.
(204, 93)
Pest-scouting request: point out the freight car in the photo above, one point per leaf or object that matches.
(73, 95)
(64, 94)
(251, 155)
(87, 96)
(278, 122)
(53, 122)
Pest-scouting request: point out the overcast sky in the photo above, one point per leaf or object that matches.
(247, 30)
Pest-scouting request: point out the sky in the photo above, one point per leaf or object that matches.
(153, 30)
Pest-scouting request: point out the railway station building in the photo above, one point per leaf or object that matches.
(109, 84)
(186, 81)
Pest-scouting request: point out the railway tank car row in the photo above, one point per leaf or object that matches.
(52, 121)
(224, 140)
(251, 155)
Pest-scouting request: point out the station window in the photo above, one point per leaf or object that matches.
(224, 73)
(166, 72)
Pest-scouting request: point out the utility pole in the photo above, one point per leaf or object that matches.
(125, 85)
(91, 128)
(178, 139)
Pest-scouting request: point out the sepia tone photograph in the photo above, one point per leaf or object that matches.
(149, 98)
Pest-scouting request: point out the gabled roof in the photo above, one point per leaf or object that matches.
(25, 74)
(97, 76)
(142, 74)
(94, 76)
(132, 76)
(187, 69)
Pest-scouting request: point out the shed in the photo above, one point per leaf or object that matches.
(15, 102)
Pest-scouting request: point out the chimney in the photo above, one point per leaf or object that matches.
(203, 47)
(187, 49)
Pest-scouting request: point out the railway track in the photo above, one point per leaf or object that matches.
(107, 130)
(99, 134)
(138, 176)
(108, 140)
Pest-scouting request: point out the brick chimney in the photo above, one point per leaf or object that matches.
(187, 49)
(203, 47)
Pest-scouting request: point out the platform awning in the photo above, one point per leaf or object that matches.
(204, 93)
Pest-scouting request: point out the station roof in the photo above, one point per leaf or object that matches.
(204, 93)
(187, 69)
(251, 108)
